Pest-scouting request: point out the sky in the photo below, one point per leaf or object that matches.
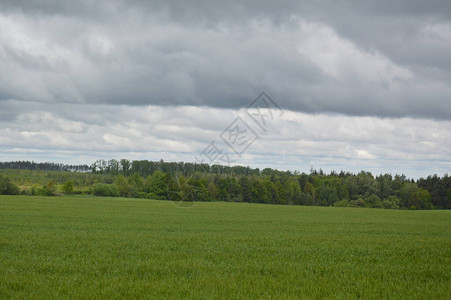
(348, 85)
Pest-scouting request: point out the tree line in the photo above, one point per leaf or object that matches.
(354, 190)
(47, 166)
(180, 181)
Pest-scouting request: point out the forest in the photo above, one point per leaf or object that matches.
(182, 181)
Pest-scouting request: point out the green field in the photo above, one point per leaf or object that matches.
(86, 247)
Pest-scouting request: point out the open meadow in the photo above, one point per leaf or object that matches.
(92, 247)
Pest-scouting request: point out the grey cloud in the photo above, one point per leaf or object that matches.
(222, 54)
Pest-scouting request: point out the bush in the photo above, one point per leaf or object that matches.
(396, 202)
(391, 202)
(387, 204)
(123, 188)
(7, 187)
(68, 187)
(50, 186)
(342, 203)
(26, 192)
(142, 195)
(357, 203)
(43, 191)
(106, 190)
(373, 201)
(34, 189)
(305, 199)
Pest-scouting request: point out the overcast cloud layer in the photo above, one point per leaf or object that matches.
(365, 84)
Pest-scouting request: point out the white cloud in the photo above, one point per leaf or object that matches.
(342, 59)
(416, 147)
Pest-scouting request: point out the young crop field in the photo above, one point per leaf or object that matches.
(92, 247)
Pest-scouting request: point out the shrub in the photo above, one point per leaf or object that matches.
(106, 190)
(68, 187)
(26, 192)
(43, 191)
(142, 195)
(387, 204)
(305, 199)
(50, 186)
(373, 201)
(123, 188)
(154, 196)
(7, 187)
(357, 203)
(34, 190)
(342, 203)
(396, 202)
(391, 202)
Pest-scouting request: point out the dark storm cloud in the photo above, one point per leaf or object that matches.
(382, 58)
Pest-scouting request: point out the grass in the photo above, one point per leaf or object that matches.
(86, 247)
